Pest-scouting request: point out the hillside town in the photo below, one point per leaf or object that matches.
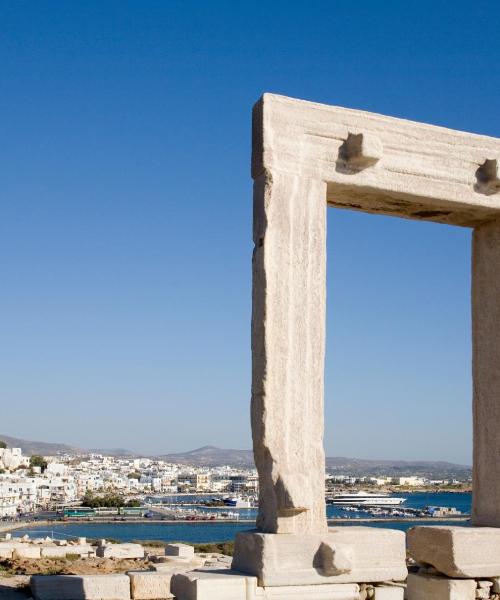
(35, 483)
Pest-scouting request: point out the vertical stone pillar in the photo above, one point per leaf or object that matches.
(288, 347)
(486, 374)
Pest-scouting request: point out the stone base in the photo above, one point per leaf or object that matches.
(465, 552)
(430, 587)
(343, 555)
(230, 585)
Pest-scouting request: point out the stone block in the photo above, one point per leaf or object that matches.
(179, 550)
(27, 551)
(6, 552)
(123, 551)
(365, 554)
(84, 550)
(230, 585)
(496, 585)
(54, 551)
(464, 552)
(149, 585)
(388, 592)
(80, 587)
(212, 585)
(431, 587)
(329, 591)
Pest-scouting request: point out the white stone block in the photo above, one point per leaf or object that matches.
(27, 551)
(180, 550)
(149, 585)
(6, 552)
(212, 585)
(80, 587)
(467, 552)
(388, 592)
(430, 587)
(53, 551)
(329, 591)
(123, 551)
(375, 555)
(230, 585)
(85, 550)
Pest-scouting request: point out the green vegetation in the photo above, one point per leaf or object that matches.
(226, 548)
(3, 444)
(109, 500)
(222, 547)
(38, 461)
(134, 475)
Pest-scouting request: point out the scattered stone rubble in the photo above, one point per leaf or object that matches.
(26, 547)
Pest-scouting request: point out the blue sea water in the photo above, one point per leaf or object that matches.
(221, 531)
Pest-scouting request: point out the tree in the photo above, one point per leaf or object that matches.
(134, 475)
(109, 500)
(3, 444)
(38, 461)
(133, 503)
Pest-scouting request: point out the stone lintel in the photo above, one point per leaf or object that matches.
(360, 554)
(380, 164)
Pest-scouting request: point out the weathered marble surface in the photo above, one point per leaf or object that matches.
(356, 554)
(465, 552)
(288, 346)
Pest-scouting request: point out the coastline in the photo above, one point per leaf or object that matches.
(5, 528)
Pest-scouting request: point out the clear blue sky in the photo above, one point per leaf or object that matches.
(125, 229)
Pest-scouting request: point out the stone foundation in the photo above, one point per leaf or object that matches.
(343, 555)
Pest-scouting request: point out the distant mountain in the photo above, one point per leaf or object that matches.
(211, 456)
(360, 467)
(45, 448)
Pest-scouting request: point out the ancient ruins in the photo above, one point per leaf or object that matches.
(307, 157)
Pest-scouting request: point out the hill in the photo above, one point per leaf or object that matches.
(211, 456)
(48, 449)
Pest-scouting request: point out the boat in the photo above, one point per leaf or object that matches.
(365, 499)
(238, 502)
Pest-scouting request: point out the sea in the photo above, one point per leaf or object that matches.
(220, 531)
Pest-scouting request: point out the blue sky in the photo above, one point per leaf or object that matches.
(125, 229)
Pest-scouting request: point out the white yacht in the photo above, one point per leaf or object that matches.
(365, 499)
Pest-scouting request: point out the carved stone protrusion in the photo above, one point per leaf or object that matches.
(361, 150)
(336, 559)
(487, 177)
